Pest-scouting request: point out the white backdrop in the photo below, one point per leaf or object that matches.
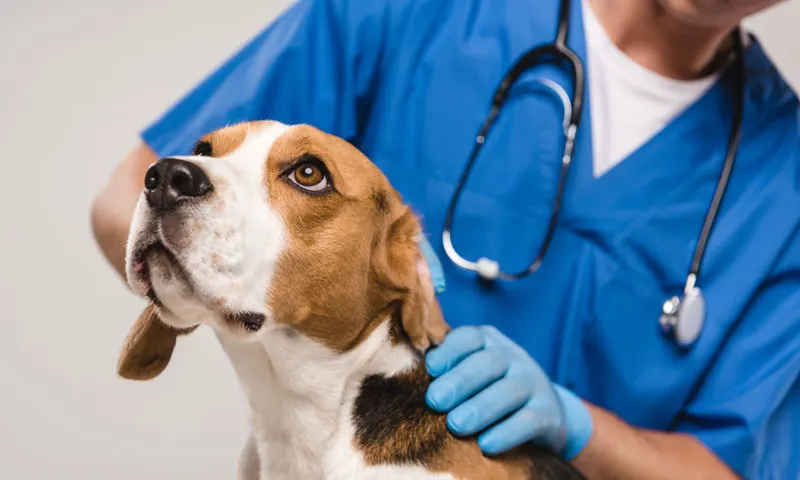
(78, 80)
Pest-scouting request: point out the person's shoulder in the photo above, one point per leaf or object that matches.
(438, 8)
(371, 5)
(391, 14)
(772, 108)
(768, 94)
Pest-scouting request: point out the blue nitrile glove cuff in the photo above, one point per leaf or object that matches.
(577, 420)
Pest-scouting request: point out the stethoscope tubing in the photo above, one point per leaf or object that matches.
(559, 51)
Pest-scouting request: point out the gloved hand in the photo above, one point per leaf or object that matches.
(482, 377)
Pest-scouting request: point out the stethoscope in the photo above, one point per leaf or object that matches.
(682, 316)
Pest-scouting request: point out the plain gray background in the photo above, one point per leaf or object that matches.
(78, 80)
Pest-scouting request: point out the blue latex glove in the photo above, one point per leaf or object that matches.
(489, 384)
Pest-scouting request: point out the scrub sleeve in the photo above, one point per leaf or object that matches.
(315, 64)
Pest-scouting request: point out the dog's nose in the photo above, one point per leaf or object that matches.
(171, 180)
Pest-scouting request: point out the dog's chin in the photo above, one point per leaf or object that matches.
(157, 274)
(146, 261)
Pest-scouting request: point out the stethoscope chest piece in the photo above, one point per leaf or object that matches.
(683, 318)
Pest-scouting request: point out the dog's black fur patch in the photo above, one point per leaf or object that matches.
(251, 321)
(390, 414)
(548, 466)
(394, 423)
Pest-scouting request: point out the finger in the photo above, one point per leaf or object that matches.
(457, 345)
(471, 375)
(524, 425)
(493, 337)
(489, 406)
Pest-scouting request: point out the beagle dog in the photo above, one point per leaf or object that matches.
(294, 248)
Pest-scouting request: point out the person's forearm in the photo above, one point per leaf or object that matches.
(112, 209)
(619, 451)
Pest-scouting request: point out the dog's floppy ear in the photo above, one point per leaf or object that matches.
(149, 346)
(402, 268)
(422, 316)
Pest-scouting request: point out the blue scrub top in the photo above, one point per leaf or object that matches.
(409, 82)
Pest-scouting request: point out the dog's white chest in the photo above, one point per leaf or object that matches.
(319, 447)
(344, 462)
(302, 396)
(340, 462)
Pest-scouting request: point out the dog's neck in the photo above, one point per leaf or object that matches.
(301, 393)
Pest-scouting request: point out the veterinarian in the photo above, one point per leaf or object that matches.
(640, 315)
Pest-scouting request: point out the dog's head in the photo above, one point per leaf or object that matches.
(268, 225)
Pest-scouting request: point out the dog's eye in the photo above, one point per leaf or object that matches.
(309, 177)
(203, 149)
